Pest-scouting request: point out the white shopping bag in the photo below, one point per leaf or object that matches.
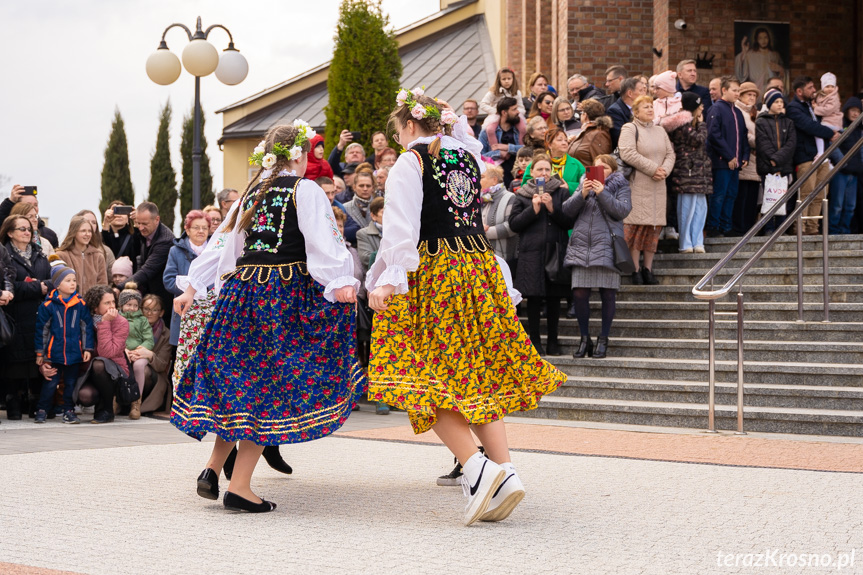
(774, 188)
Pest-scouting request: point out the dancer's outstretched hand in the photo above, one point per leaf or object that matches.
(346, 294)
(182, 302)
(378, 298)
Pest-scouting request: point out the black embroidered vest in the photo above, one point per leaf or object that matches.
(452, 207)
(274, 237)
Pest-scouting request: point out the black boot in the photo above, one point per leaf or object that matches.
(13, 407)
(585, 347)
(553, 348)
(601, 347)
(637, 280)
(228, 467)
(649, 278)
(274, 460)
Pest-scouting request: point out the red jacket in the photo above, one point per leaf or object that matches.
(316, 167)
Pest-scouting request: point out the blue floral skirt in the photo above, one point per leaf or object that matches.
(276, 363)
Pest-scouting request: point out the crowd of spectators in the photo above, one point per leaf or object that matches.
(668, 157)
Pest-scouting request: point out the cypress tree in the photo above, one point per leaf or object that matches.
(116, 178)
(207, 196)
(163, 178)
(364, 73)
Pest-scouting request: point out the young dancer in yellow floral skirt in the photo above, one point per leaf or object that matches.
(447, 345)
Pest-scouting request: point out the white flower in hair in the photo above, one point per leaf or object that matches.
(296, 153)
(300, 124)
(402, 97)
(310, 133)
(269, 161)
(418, 111)
(417, 92)
(258, 150)
(448, 117)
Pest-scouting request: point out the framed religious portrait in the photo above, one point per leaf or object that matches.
(762, 51)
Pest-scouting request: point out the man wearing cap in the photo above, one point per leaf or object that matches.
(348, 172)
(812, 139)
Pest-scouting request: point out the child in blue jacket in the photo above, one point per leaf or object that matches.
(64, 340)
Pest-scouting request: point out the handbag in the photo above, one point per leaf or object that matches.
(622, 257)
(127, 390)
(625, 168)
(7, 328)
(775, 187)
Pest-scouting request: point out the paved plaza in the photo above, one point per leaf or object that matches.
(120, 499)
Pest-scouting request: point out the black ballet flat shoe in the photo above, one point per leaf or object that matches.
(228, 467)
(234, 502)
(274, 459)
(585, 348)
(208, 484)
(601, 348)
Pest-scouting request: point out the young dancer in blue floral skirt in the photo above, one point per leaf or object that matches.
(276, 362)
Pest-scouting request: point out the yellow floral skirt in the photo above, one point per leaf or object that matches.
(454, 342)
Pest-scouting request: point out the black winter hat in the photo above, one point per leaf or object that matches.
(690, 101)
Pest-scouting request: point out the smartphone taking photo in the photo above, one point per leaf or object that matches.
(540, 186)
(122, 210)
(356, 136)
(596, 174)
(29, 191)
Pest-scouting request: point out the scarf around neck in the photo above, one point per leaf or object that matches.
(363, 205)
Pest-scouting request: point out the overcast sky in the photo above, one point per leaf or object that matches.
(65, 66)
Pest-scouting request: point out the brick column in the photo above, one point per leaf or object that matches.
(543, 36)
(562, 65)
(528, 43)
(514, 53)
(660, 35)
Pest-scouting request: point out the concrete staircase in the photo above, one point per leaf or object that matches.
(804, 378)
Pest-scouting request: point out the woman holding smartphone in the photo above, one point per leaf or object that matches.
(118, 232)
(542, 228)
(598, 206)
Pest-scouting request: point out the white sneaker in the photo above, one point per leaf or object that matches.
(505, 498)
(671, 233)
(481, 479)
(698, 249)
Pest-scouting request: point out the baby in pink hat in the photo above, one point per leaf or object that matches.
(827, 103)
(668, 101)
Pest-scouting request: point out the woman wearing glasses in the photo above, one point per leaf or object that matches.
(196, 230)
(31, 283)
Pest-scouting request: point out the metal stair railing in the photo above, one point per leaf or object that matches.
(701, 291)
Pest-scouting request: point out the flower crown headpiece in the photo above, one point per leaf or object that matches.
(295, 152)
(409, 98)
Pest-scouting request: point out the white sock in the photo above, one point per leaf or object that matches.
(509, 467)
(472, 466)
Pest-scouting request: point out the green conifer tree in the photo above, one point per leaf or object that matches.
(364, 74)
(163, 178)
(207, 196)
(116, 178)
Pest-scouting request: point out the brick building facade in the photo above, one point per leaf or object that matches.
(563, 37)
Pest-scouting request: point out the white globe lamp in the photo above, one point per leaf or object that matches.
(163, 66)
(200, 58)
(233, 67)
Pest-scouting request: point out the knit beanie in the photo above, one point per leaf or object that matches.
(59, 269)
(122, 266)
(667, 81)
(690, 101)
(828, 79)
(771, 97)
(130, 292)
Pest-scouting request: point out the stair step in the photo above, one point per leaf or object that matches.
(770, 260)
(755, 394)
(783, 373)
(751, 292)
(764, 419)
(773, 276)
(765, 311)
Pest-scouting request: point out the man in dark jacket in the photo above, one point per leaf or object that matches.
(354, 153)
(614, 78)
(154, 243)
(843, 188)
(621, 111)
(813, 138)
(687, 76)
(17, 195)
(580, 90)
(728, 149)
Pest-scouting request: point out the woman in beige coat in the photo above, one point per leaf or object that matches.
(82, 255)
(746, 211)
(646, 147)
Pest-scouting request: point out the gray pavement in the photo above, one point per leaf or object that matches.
(120, 499)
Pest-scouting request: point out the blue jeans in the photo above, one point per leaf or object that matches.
(725, 184)
(68, 374)
(843, 200)
(691, 215)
